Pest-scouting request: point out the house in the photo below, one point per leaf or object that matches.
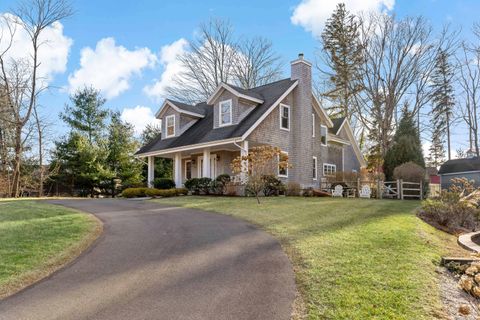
(460, 168)
(203, 139)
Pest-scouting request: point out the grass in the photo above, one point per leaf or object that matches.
(353, 258)
(38, 238)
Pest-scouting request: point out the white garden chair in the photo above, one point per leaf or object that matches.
(338, 191)
(365, 192)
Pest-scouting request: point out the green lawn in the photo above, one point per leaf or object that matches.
(38, 238)
(353, 258)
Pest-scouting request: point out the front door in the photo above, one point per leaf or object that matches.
(213, 166)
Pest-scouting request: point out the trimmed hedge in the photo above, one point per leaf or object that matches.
(163, 183)
(152, 192)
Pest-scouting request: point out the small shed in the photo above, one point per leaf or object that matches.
(460, 168)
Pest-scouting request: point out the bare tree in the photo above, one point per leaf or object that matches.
(396, 53)
(256, 63)
(20, 76)
(216, 56)
(469, 58)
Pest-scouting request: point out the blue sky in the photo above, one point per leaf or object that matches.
(136, 32)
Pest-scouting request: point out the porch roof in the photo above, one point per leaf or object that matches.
(202, 131)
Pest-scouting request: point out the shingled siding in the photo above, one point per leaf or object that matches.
(349, 156)
(168, 112)
(240, 108)
(269, 133)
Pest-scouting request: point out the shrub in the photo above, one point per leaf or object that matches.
(272, 186)
(220, 183)
(163, 183)
(231, 188)
(192, 185)
(182, 191)
(134, 192)
(409, 171)
(454, 208)
(293, 189)
(204, 185)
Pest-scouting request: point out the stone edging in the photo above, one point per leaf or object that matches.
(465, 240)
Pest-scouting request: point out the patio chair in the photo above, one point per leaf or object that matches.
(338, 191)
(365, 192)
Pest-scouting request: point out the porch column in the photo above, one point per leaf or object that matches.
(177, 172)
(150, 171)
(206, 163)
(244, 153)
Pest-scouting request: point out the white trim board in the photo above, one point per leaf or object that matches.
(178, 109)
(224, 86)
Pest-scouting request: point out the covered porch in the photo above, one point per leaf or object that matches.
(207, 161)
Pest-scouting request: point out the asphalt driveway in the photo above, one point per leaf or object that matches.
(159, 262)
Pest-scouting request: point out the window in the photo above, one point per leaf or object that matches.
(170, 124)
(323, 135)
(284, 117)
(225, 113)
(283, 171)
(329, 169)
(313, 125)
(314, 168)
(188, 169)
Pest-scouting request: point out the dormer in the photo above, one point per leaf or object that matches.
(232, 104)
(177, 117)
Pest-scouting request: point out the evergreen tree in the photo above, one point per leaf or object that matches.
(436, 152)
(86, 115)
(121, 145)
(343, 55)
(443, 98)
(406, 145)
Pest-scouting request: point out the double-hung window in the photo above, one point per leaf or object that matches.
(225, 113)
(329, 169)
(283, 170)
(315, 174)
(313, 125)
(170, 126)
(284, 117)
(323, 135)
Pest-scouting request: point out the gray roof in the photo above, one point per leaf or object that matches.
(202, 131)
(247, 92)
(196, 108)
(460, 165)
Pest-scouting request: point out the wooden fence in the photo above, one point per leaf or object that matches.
(396, 189)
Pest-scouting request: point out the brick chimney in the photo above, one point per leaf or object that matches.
(301, 155)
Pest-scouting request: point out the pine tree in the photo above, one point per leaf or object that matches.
(436, 152)
(343, 55)
(406, 145)
(87, 115)
(443, 98)
(121, 145)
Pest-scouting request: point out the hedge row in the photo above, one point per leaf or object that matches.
(152, 192)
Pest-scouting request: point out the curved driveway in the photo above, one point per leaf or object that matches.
(159, 262)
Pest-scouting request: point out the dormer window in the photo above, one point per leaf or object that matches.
(225, 113)
(170, 126)
(284, 117)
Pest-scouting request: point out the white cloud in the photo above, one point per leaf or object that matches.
(312, 14)
(109, 67)
(139, 117)
(171, 67)
(53, 51)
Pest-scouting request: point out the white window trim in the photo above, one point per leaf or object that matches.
(329, 164)
(315, 161)
(313, 125)
(278, 167)
(220, 124)
(166, 126)
(326, 135)
(282, 106)
(185, 169)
